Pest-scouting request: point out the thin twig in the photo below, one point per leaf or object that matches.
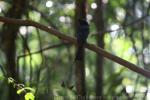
(124, 26)
(43, 49)
(27, 47)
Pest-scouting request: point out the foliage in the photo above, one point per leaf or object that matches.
(21, 89)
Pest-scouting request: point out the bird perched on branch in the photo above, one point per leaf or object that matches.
(82, 34)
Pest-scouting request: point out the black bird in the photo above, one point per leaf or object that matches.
(82, 34)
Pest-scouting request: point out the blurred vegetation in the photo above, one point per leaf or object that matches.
(51, 71)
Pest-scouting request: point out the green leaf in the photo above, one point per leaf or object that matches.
(29, 96)
(29, 88)
(24, 89)
(11, 80)
(20, 91)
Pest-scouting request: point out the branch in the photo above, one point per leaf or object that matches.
(43, 49)
(73, 41)
(137, 21)
(43, 15)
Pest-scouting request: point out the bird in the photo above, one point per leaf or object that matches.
(82, 34)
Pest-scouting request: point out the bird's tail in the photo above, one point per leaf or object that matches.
(79, 53)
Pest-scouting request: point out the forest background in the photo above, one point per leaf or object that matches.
(37, 52)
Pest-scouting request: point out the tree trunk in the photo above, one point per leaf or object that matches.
(8, 37)
(99, 23)
(80, 13)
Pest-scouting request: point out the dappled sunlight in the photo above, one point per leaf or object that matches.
(49, 4)
(93, 5)
(114, 27)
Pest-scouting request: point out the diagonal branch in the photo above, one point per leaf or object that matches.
(137, 21)
(43, 49)
(72, 40)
